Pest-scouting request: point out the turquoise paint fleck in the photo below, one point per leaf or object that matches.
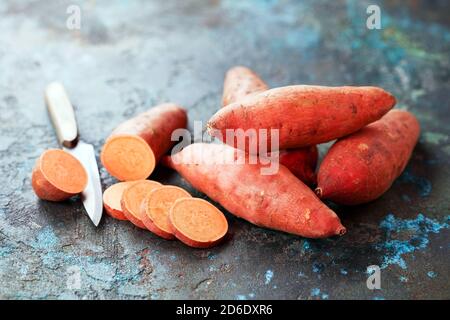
(344, 271)
(268, 276)
(431, 274)
(317, 267)
(317, 293)
(241, 297)
(46, 239)
(416, 231)
(423, 185)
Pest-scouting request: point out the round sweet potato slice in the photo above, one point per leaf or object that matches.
(197, 223)
(156, 207)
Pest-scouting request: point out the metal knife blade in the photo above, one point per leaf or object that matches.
(63, 119)
(92, 194)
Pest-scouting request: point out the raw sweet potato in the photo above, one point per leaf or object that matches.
(361, 167)
(301, 162)
(303, 115)
(134, 147)
(58, 176)
(279, 201)
(239, 83)
(155, 209)
(132, 199)
(197, 223)
(112, 197)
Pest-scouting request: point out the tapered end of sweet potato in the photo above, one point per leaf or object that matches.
(128, 157)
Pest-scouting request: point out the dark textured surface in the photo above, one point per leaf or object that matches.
(131, 55)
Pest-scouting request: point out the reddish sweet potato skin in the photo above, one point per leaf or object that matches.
(279, 201)
(239, 82)
(361, 167)
(302, 163)
(304, 115)
(155, 126)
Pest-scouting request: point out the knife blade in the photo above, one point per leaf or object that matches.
(63, 119)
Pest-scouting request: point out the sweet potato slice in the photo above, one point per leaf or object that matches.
(197, 223)
(156, 207)
(58, 176)
(112, 197)
(132, 198)
(134, 147)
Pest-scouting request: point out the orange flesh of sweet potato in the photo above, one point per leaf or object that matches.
(156, 207)
(112, 197)
(361, 167)
(134, 147)
(197, 223)
(58, 176)
(132, 199)
(280, 201)
(304, 115)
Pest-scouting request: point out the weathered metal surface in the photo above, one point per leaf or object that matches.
(129, 55)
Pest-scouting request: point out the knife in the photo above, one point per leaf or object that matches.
(63, 119)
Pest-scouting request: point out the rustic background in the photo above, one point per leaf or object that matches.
(130, 55)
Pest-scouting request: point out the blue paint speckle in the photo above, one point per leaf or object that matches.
(241, 297)
(344, 271)
(378, 298)
(268, 276)
(306, 245)
(403, 279)
(5, 251)
(424, 185)
(317, 293)
(46, 239)
(431, 274)
(318, 267)
(416, 232)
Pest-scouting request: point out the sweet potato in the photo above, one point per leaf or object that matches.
(197, 223)
(112, 197)
(134, 147)
(303, 115)
(58, 176)
(132, 199)
(301, 162)
(239, 83)
(361, 167)
(279, 201)
(155, 209)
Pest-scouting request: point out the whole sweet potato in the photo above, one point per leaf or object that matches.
(240, 82)
(279, 201)
(303, 115)
(361, 167)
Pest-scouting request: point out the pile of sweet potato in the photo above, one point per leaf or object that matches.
(374, 144)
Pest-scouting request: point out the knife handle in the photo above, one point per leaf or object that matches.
(62, 114)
